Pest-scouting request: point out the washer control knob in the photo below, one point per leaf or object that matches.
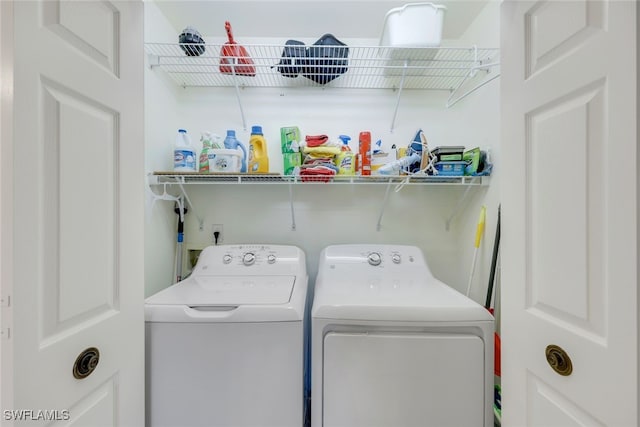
(249, 258)
(396, 258)
(374, 258)
(271, 259)
(226, 259)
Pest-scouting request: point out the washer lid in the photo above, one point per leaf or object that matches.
(227, 291)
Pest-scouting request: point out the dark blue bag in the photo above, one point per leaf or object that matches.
(326, 59)
(293, 57)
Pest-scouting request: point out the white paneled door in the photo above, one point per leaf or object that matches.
(75, 214)
(570, 205)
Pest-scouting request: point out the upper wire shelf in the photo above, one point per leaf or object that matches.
(368, 67)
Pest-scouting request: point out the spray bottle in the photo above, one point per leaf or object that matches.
(345, 161)
(207, 146)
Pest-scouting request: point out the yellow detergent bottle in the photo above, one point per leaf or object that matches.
(258, 158)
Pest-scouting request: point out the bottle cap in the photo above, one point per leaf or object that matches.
(256, 130)
(231, 132)
(182, 131)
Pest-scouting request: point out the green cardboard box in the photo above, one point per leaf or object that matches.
(290, 139)
(290, 162)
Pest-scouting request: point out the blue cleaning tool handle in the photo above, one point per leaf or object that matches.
(243, 167)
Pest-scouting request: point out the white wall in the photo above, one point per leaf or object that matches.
(327, 214)
(482, 115)
(161, 122)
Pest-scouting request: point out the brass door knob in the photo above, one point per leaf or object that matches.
(86, 363)
(559, 360)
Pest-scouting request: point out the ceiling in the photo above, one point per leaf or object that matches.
(304, 18)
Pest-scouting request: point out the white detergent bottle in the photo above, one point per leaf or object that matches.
(184, 155)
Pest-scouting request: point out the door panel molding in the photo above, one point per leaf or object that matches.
(553, 29)
(565, 216)
(95, 31)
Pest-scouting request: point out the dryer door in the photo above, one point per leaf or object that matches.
(403, 379)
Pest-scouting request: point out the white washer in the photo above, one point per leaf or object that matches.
(225, 346)
(393, 346)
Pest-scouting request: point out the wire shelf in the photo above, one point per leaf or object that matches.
(230, 178)
(399, 181)
(372, 67)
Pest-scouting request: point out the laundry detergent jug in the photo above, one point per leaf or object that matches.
(231, 143)
(258, 158)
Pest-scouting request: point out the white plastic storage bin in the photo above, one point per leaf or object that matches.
(225, 160)
(413, 25)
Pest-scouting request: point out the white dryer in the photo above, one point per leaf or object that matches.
(225, 346)
(392, 346)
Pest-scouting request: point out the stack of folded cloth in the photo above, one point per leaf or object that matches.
(319, 154)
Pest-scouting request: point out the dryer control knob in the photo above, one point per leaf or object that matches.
(271, 259)
(374, 258)
(249, 258)
(226, 259)
(396, 258)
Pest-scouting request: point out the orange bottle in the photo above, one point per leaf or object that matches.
(364, 166)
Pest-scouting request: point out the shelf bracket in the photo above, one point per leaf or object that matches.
(395, 111)
(154, 61)
(152, 197)
(478, 66)
(458, 208)
(384, 204)
(235, 83)
(153, 180)
(451, 102)
(293, 215)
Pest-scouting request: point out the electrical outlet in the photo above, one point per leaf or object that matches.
(216, 228)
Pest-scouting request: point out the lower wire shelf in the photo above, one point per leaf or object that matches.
(203, 178)
(273, 178)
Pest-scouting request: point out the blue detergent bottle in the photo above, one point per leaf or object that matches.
(231, 143)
